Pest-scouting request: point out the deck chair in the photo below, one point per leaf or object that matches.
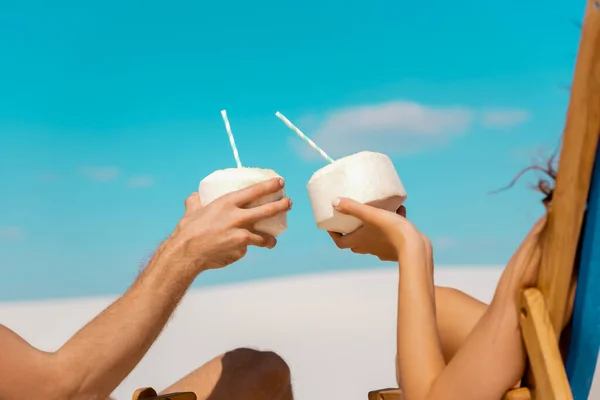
(572, 246)
(150, 394)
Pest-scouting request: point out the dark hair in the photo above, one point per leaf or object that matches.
(544, 184)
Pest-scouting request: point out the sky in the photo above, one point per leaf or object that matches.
(110, 117)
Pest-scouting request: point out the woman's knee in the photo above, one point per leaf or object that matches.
(445, 294)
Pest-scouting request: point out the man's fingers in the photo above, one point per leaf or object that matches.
(256, 191)
(361, 211)
(268, 210)
(193, 202)
(259, 239)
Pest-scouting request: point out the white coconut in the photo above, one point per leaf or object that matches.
(228, 180)
(366, 177)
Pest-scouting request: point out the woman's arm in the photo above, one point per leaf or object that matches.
(419, 359)
(492, 359)
(420, 356)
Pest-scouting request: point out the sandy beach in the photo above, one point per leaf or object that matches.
(335, 330)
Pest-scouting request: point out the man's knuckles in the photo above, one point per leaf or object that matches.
(268, 210)
(192, 201)
(241, 237)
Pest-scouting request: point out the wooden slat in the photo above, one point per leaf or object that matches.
(580, 139)
(150, 394)
(518, 394)
(542, 348)
(144, 393)
(385, 394)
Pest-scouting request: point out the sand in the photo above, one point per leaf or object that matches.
(336, 330)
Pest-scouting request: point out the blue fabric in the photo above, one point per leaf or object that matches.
(585, 336)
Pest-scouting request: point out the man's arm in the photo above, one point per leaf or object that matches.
(98, 357)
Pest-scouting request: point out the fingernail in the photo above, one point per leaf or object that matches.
(336, 202)
(290, 207)
(281, 182)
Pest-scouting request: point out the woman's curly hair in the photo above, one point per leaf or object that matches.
(544, 184)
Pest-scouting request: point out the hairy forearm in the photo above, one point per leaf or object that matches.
(420, 357)
(98, 357)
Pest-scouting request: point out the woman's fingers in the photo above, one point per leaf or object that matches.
(358, 250)
(341, 241)
(334, 235)
(401, 211)
(361, 211)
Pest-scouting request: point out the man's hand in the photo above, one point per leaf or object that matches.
(98, 357)
(219, 234)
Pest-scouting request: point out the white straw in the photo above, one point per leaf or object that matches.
(231, 140)
(303, 136)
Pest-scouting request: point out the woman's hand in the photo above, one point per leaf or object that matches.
(384, 234)
(368, 240)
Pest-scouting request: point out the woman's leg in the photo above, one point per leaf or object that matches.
(492, 357)
(457, 313)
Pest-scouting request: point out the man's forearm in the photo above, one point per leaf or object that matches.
(98, 357)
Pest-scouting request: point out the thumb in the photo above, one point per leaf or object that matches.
(351, 207)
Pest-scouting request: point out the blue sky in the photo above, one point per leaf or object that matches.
(109, 118)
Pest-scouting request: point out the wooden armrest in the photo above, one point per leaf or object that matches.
(150, 394)
(386, 394)
(518, 394)
(396, 394)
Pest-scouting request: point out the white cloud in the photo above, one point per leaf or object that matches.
(504, 118)
(392, 127)
(12, 233)
(141, 181)
(100, 173)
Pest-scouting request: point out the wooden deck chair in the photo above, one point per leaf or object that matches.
(150, 394)
(570, 238)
